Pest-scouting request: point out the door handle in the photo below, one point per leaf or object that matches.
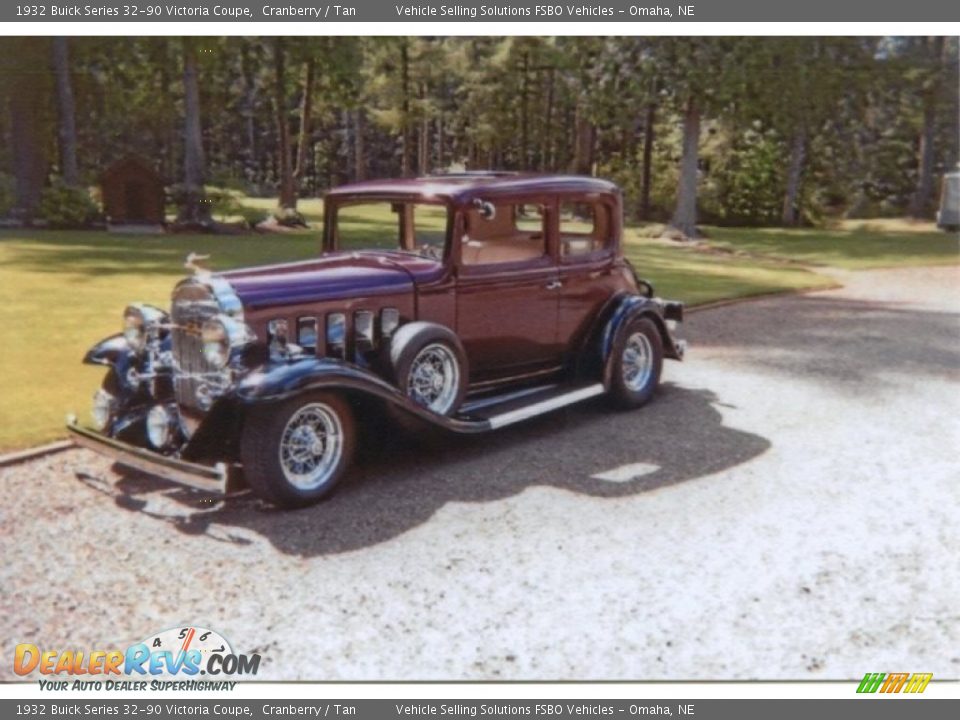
(553, 285)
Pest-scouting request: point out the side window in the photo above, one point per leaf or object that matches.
(503, 233)
(584, 228)
(430, 227)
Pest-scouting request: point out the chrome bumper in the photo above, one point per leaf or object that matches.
(200, 477)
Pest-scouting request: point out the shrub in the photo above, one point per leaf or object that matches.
(252, 216)
(67, 207)
(223, 203)
(748, 180)
(219, 203)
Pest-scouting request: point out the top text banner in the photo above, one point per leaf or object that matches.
(466, 11)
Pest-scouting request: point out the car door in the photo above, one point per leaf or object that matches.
(586, 229)
(507, 290)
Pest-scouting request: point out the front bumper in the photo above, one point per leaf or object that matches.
(199, 477)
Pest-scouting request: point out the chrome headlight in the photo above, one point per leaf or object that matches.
(134, 328)
(220, 335)
(141, 323)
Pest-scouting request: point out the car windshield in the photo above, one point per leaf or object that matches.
(413, 227)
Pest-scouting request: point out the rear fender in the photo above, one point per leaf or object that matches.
(620, 311)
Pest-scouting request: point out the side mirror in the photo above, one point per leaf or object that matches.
(485, 209)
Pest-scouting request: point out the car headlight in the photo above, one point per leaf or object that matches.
(220, 335)
(142, 323)
(134, 328)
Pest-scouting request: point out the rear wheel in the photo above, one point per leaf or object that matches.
(635, 363)
(296, 453)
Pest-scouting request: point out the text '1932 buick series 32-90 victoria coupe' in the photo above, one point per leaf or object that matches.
(466, 301)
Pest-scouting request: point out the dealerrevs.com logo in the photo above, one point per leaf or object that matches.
(169, 660)
(894, 682)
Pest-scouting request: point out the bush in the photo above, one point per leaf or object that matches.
(747, 181)
(67, 207)
(219, 203)
(223, 203)
(253, 216)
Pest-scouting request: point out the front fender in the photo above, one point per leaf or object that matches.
(110, 352)
(283, 381)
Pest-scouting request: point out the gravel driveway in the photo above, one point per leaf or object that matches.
(788, 507)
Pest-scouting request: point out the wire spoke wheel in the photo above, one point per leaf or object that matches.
(311, 446)
(433, 380)
(637, 362)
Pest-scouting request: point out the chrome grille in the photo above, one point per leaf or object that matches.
(193, 303)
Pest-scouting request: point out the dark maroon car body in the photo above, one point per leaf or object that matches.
(530, 311)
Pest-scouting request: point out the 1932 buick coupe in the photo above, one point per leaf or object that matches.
(466, 301)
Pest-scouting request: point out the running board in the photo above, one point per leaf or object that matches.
(544, 406)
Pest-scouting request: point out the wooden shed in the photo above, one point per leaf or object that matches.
(132, 193)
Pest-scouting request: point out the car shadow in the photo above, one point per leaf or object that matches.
(847, 344)
(398, 483)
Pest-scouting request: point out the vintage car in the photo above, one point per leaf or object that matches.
(465, 301)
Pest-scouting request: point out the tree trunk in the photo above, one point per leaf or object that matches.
(67, 130)
(524, 109)
(170, 134)
(423, 144)
(920, 203)
(790, 216)
(648, 138)
(359, 149)
(306, 110)
(194, 209)
(406, 159)
(28, 162)
(249, 109)
(546, 152)
(684, 218)
(288, 193)
(583, 147)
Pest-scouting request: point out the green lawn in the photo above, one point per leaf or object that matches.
(852, 248)
(698, 276)
(62, 291)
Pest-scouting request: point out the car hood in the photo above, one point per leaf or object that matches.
(331, 277)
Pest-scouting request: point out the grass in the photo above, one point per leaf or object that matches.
(698, 276)
(62, 291)
(860, 245)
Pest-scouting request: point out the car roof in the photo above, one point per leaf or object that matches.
(464, 187)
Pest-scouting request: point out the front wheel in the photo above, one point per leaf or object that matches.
(635, 363)
(296, 453)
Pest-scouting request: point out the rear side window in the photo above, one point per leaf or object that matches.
(503, 233)
(585, 228)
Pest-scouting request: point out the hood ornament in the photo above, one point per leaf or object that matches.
(192, 263)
